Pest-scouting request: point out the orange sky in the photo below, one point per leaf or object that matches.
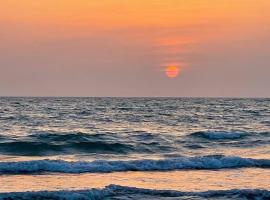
(103, 47)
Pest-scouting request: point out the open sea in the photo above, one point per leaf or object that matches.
(134, 148)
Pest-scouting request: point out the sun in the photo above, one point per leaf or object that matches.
(172, 71)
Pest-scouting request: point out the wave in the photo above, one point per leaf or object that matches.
(223, 135)
(217, 135)
(206, 163)
(40, 149)
(116, 191)
(53, 144)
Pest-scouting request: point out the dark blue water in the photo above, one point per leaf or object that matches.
(78, 135)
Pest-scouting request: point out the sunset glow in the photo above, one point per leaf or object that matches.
(134, 99)
(70, 46)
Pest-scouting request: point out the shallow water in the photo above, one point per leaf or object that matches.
(217, 144)
(186, 180)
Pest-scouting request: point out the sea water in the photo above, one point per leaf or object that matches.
(134, 148)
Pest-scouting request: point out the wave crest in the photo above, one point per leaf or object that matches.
(206, 162)
(218, 135)
(113, 191)
(55, 143)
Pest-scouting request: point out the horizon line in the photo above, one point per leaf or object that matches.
(210, 97)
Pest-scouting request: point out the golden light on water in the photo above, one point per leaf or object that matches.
(189, 180)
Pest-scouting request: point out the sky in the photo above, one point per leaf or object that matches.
(177, 48)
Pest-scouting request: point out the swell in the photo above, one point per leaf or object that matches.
(225, 135)
(46, 144)
(114, 191)
(53, 144)
(206, 163)
(215, 139)
(43, 144)
(31, 148)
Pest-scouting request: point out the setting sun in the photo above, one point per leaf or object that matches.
(172, 71)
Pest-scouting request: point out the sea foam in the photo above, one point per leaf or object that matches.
(219, 135)
(205, 162)
(118, 191)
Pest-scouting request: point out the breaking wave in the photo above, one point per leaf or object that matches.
(206, 162)
(223, 135)
(116, 191)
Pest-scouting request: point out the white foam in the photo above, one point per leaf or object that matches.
(116, 190)
(218, 135)
(206, 162)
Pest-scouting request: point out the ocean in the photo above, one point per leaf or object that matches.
(134, 148)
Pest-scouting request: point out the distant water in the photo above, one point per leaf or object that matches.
(108, 135)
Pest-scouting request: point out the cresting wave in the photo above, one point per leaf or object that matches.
(32, 148)
(114, 191)
(43, 144)
(57, 143)
(206, 162)
(223, 135)
(54, 143)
